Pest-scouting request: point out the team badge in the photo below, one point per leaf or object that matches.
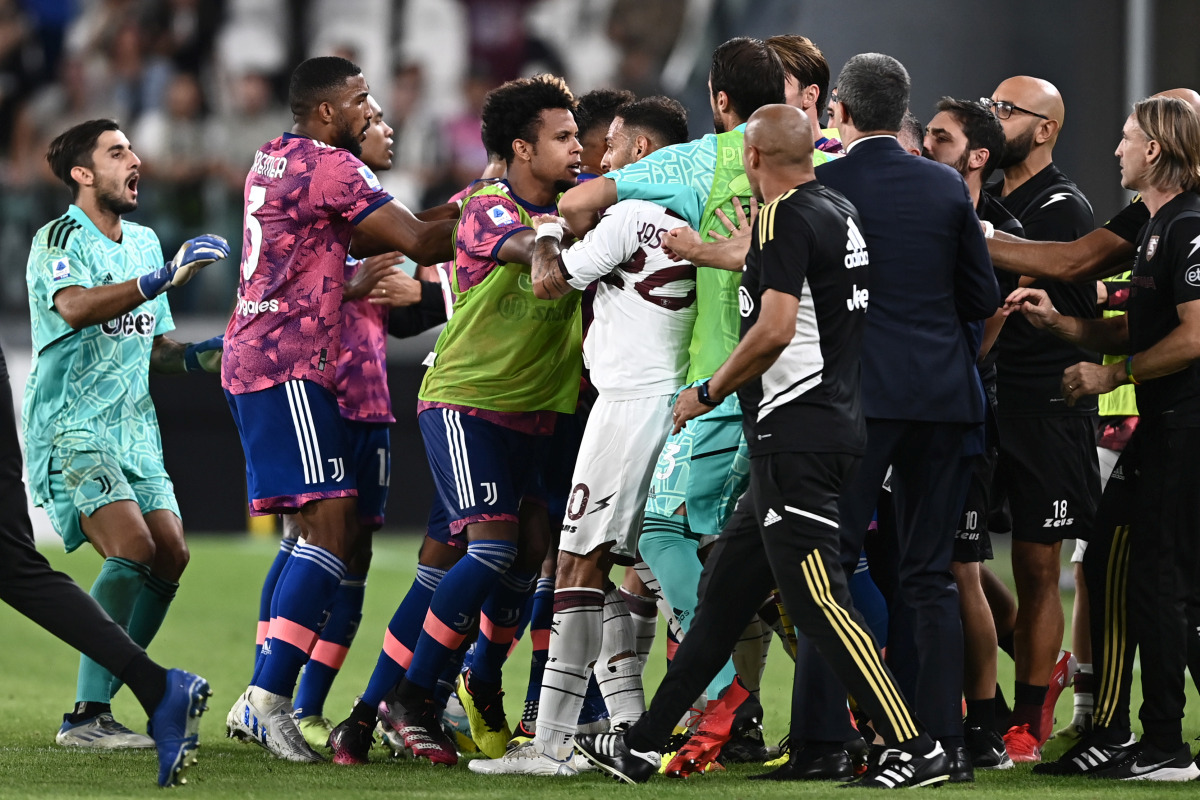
(61, 270)
(370, 178)
(500, 216)
(1151, 247)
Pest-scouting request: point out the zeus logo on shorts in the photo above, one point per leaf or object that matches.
(141, 324)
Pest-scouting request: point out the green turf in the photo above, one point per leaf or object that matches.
(210, 630)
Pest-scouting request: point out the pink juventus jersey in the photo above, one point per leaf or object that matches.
(303, 199)
(362, 388)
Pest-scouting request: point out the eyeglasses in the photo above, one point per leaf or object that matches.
(1004, 109)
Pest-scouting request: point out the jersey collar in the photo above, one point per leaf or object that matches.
(76, 213)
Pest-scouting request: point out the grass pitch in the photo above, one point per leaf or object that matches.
(211, 631)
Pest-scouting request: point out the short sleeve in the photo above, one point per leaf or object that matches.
(486, 223)
(347, 187)
(1185, 241)
(1061, 217)
(54, 269)
(786, 247)
(678, 177)
(607, 246)
(1129, 221)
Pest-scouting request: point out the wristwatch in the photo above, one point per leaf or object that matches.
(702, 396)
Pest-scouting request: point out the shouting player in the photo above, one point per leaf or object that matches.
(307, 195)
(100, 318)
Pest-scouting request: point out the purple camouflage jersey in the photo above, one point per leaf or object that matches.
(362, 388)
(303, 199)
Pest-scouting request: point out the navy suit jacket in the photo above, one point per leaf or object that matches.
(930, 276)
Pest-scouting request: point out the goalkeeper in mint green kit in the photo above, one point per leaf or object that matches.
(99, 319)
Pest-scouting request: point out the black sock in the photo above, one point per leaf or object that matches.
(412, 696)
(85, 711)
(363, 714)
(1006, 644)
(147, 681)
(981, 714)
(1003, 712)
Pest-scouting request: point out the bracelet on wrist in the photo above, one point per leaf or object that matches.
(1129, 372)
(703, 396)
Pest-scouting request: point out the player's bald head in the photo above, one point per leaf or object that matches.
(781, 134)
(1189, 96)
(1034, 94)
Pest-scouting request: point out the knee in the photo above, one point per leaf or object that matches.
(171, 557)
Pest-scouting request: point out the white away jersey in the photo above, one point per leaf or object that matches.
(645, 303)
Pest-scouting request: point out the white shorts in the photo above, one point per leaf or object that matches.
(612, 475)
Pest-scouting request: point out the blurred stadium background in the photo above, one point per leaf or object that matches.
(198, 85)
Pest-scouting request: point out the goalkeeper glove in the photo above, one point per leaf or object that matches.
(192, 257)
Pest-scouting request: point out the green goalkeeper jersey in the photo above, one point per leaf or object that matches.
(695, 180)
(89, 389)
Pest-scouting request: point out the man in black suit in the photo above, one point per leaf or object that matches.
(930, 279)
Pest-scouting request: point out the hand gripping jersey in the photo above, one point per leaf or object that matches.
(503, 349)
(90, 388)
(645, 303)
(303, 199)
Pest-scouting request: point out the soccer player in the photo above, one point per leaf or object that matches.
(702, 469)
(594, 114)
(365, 406)
(173, 699)
(506, 365)
(99, 318)
(1159, 154)
(967, 136)
(1047, 464)
(307, 196)
(644, 302)
(796, 372)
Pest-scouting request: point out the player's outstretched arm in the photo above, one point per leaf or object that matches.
(168, 356)
(582, 205)
(394, 227)
(1099, 254)
(81, 306)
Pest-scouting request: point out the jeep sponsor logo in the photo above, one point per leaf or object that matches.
(140, 324)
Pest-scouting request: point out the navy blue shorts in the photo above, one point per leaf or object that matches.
(296, 447)
(480, 469)
(371, 444)
(438, 526)
(551, 484)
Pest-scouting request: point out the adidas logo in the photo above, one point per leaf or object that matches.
(1118, 474)
(771, 518)
(856, 246)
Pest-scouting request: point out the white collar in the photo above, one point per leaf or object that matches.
(850, 146)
